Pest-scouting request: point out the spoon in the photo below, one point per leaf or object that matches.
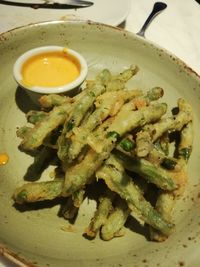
(157, 8)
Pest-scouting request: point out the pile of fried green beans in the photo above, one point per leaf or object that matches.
(122, 137)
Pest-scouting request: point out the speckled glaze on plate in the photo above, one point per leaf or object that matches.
(38, 237)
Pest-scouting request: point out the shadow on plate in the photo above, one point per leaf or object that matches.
(23, 101)
(133, 225)
(45, 157)
(122, 25)
(40, 205)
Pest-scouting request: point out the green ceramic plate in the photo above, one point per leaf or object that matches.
(35, 237)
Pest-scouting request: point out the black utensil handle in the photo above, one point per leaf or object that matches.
(157, 8)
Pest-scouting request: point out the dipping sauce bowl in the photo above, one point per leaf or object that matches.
(50, 70)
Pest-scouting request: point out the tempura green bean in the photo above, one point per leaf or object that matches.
(101, 214)
(108, 105)
(51, 100)
(164, 205)
(186, 142)
(34, 138)
(115, 221)
(77, 176)
(118, 181)
(152, 173)
(38, 191)
(34, 116)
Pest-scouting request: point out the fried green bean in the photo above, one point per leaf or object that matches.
(143, 144)
(34, 138)
(99, 133)
(172, 123)
(146, 169)
(38, 191)
(78, 198)
(155, 93)
(184, 152)
(166, 200)
(80, 108)
(118, 82)
(151, 133)
(23, 131)
(126, 120)
(127, 144)
(186, 142)
(108, 104)
(84, 103)
(51, 100)
(77, 176)
(101, 214)
(34, 116)
(118, 181)
(156, 130)
(115, 221)
(104, 77)
(143, 101)
(158, 158)
(164, 143)
(164, 205)
(127, 74)
(44, 126)
(184, 116)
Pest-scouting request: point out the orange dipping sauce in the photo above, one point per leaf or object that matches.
(50, 69)
(3, 158)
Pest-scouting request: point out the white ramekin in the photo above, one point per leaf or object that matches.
(36, 91)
